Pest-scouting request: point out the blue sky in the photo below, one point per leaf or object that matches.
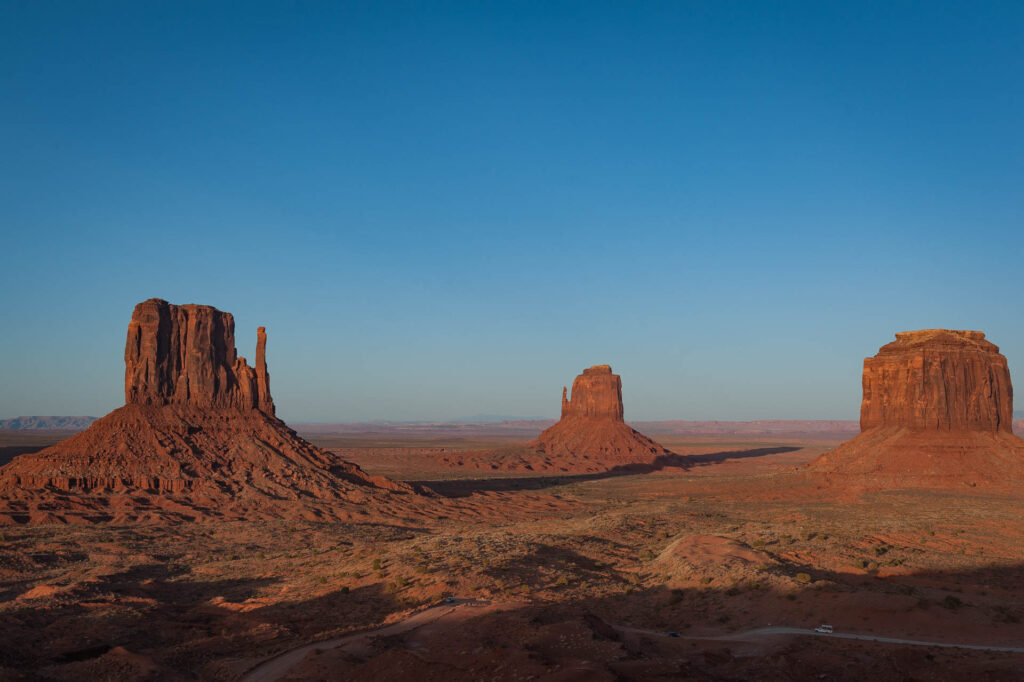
(442, 209)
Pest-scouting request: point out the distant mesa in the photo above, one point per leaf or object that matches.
(591, 435)
(196, 439)
(937, 411)
(52, 423)
(596, 394)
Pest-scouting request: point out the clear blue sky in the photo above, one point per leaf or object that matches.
(442, 209)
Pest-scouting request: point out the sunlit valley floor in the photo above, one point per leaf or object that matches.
(574, 577)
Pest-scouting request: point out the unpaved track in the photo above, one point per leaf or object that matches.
(277, 667)
(760, 632)
(767, 632)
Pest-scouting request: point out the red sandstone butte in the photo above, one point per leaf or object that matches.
(197, 439)
(185, 354)
(937, 411)
(592, 435)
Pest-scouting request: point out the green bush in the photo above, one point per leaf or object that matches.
(803, 578)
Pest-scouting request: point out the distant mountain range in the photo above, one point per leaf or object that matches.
(494, 419)
(496, 425)
(52, 423)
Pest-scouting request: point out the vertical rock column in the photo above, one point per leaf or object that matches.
(264, 402)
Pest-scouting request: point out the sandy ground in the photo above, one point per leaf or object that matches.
(708, 551)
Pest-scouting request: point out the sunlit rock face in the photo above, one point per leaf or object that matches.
(596, 394)
(937, 412)
(185, 355)
(940, 380)
(592, 434)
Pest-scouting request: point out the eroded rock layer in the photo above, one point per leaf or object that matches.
(197, 439)
(185, 355)
(937, 411)
(938, 379)
(596, 394)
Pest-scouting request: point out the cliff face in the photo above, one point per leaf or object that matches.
(596, 394)
(938, 380)
(185, 355)
(937, 412)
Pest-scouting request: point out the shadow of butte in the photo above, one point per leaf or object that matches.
(467, 487)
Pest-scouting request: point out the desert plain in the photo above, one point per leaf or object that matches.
(191, 534)
(685, 571)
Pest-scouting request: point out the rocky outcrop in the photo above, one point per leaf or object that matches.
(596, 394)
(185, 355)
(263, 400)
(592, 434)
(197, 439)
(940, 380)
(937, 411)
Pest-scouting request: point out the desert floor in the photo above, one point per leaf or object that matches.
(574, 577)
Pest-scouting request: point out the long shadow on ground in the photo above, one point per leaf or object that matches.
(9, 452)
(541, 481)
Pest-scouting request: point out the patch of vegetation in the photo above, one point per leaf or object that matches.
(1005, 615)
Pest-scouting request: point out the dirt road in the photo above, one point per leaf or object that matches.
(761, 632)
(277, 667)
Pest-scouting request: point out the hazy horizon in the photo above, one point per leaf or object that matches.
(446, 210)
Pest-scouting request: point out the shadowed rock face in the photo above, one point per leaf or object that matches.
(937, 412)
(185, 355)
(940, 380)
